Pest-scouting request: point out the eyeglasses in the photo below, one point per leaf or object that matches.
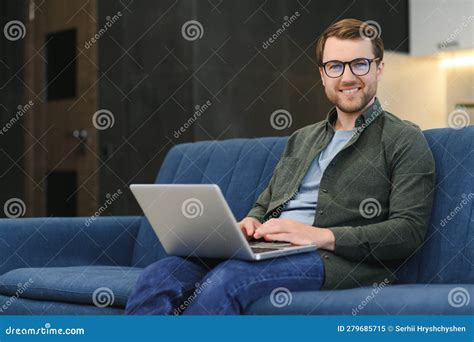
(358, 66)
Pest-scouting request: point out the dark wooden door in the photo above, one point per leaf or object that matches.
(61, 77)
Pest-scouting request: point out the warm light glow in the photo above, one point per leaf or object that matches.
(458, 61)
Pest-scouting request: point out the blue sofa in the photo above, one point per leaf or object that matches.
(65, 266)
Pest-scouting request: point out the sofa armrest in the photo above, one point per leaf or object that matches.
(75, 241)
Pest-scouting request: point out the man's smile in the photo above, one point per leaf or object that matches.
(350, 91)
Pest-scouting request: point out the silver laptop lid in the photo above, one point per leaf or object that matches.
(192, 220)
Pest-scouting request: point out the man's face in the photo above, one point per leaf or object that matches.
(350, 93)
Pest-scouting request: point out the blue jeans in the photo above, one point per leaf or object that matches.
(194, 286)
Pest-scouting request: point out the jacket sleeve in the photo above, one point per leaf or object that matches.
(411, 196)
(263, 201)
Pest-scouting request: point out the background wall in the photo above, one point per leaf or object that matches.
(414, 88)
(152, 79)
(12, 176)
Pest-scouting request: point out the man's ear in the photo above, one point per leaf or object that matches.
(380, 68)
(321, 73)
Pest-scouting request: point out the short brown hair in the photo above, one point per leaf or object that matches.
(351, 29)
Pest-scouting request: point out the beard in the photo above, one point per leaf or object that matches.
(352, 104)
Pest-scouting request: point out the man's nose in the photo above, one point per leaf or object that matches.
(347, 75)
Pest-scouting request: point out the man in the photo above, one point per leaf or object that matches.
(358, 185)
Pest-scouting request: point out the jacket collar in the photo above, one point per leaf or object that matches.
(362, 121)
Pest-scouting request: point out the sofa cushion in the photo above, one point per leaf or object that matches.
(93, 285)
(242, 169)
(448, 252)
(413, 299)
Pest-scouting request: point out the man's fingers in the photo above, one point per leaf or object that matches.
(278, 237)
(268, 229)
(248, 230)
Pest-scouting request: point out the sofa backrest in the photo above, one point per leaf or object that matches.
(447, 255)
(242, 169)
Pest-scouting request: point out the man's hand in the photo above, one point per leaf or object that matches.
(296, 233)
(248, 226)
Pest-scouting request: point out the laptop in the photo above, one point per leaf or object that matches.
(195, 220)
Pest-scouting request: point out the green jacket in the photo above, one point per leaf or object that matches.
(375, 196)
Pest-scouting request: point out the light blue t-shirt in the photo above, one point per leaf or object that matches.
(302, 208)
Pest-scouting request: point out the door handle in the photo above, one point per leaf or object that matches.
(81, 135)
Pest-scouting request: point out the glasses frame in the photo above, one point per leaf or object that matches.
(370, 60)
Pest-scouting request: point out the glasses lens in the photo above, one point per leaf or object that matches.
(334, 69)
(360, 67)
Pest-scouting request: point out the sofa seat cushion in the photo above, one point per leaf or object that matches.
(94, 285)
(412, 299)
